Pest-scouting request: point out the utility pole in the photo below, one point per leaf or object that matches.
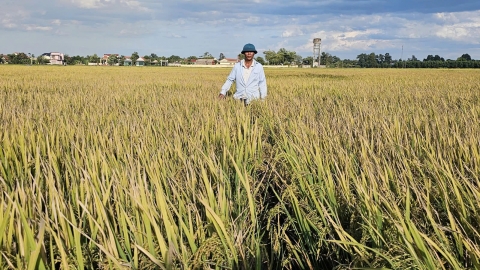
(403, 64)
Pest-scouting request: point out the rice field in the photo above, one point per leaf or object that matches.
(144, 168)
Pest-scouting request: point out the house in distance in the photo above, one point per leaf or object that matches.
(54, 58)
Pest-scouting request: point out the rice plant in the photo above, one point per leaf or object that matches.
(131, 168)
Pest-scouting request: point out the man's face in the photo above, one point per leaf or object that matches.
(249, 56)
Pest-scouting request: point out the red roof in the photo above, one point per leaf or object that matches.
(106, 55)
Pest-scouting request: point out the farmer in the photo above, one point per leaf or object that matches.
(249, 76)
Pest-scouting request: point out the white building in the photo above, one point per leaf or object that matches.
(228, 61)
(55, 58)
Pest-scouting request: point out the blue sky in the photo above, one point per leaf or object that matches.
(186, 27)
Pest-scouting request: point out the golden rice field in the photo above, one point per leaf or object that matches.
(144, 168)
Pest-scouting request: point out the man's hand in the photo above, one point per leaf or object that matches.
(221, 96)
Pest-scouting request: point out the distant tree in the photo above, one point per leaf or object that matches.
(433, 58)
(467, 57)
(349, 63)
(221, 57)
(308, 60)
(298, 59)
(362, 60)
(191, 59)
(399, 63)
(174, 59)
(207, 55)
(77, 60)
(372, 60)
(41, 60)
(18, 58)
(285, 57)
(68, 59)
(271, 57)
(241, 56)
(384, 60)
(336, 62)
(429, 58)
(464, 57)
(438, 58)
(121, 60)
(328, 60)
(290, 57)
(23, 58)
(153, 56)
(260, 60)
(324, 58)
(15, 58)
(148, 60)
(94, 58)
(413, 58)
(112, 59)
(380, 59)
(134, 57)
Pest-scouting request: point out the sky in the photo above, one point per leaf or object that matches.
(185, 28)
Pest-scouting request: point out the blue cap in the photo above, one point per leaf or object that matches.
(249, 48)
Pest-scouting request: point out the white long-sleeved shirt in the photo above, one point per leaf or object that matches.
(254, 87)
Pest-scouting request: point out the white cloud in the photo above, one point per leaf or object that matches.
(277, 46)
(467, 33)
(9, 25)
(175, 36)
(446, 17)
(96, 4)
(13, 19)
(135, 29)
(389, 31)
(253, 19)
(459, 27)
(347, 40)
(294, 31)
(37, 28)
(135, 5)
(88, 3)
(415, 29)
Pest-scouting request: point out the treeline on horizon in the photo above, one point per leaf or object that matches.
(373, 60)
(280, 57)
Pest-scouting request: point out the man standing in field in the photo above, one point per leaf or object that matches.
(249, 77)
